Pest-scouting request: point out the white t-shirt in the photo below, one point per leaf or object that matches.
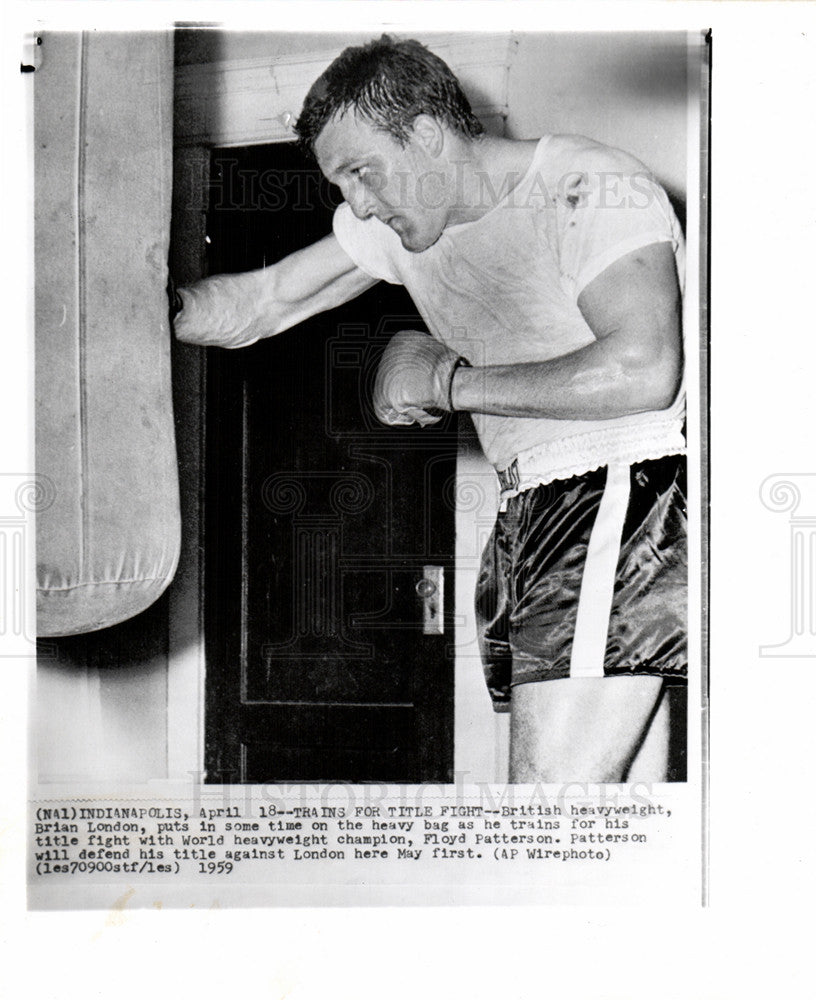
(504, 289)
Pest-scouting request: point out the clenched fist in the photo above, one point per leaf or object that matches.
(414, 379)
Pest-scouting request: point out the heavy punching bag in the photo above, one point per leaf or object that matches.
(108, 545)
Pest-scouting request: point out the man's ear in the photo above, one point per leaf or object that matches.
(429, 134)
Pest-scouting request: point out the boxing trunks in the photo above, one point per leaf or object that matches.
(587, 577)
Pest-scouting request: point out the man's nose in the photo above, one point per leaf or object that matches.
(360, 200)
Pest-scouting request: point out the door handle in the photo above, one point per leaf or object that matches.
(431, 591)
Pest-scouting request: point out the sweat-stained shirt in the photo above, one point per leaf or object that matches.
(504, 289)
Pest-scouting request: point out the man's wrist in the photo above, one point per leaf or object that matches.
(459, 364)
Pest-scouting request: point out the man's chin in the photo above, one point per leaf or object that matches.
(415, 245)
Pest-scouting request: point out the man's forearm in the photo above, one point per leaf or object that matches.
(598, 382)
(234, 310)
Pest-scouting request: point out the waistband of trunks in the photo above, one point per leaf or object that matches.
(581, 453)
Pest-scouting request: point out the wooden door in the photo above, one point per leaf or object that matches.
(320, 522)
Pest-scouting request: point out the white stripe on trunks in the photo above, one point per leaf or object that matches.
(598, 581)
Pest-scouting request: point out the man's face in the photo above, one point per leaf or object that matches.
(403, 187)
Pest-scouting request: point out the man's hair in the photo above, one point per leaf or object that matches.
(387, 83)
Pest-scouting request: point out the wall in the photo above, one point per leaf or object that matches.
(101, 706)
(627, 90)
(480, 734)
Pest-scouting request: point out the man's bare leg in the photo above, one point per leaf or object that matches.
(579, 728)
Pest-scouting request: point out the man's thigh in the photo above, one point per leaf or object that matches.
(579, 728)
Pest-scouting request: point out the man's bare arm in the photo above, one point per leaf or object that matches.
(633, 308)
(234, 310)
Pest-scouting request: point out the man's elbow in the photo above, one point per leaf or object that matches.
(660, 375)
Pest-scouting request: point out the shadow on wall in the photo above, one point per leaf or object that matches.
(102, 702)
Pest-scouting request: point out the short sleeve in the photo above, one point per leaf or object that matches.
(369, 244)
(608, 216)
